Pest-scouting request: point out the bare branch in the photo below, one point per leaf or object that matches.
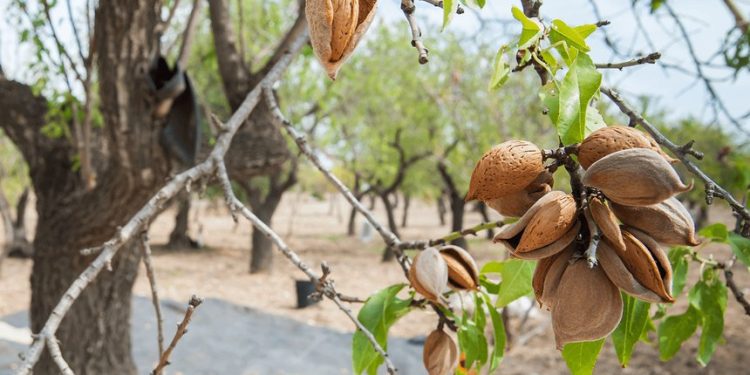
(472, 231)
(712, 188)
(146, 249)
(54, 349)
(161, 27)
(739, 18)
(75, 30)
(181, 331)
(699, 71)
(409, 9)
(738, 294)
(187, 35)
(648, 59)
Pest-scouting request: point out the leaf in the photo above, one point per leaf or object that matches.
(550, 60)
(679, 261)
(585, 30)
(577, 89)
(492, 267)
(472, 342)
(594, 121)
(562, 32)
(501, 69)
(516, 281)
(498, 328)
(715, 232)
(581, 356)
(674, 330)
(378, 314)
(550, 96)
(740, 247)
(709, 297)
(449, 9)
(655, 4)
(531, 30)
(631, 327)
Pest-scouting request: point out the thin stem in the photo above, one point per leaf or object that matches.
(148, 263)
(648, 59)
(181, 331)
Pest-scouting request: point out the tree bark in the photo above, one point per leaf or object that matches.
(405, 213)
(457, 204)
(388, 253)
(179, 238)
(482, 208)
(95, 334)
(441, 208)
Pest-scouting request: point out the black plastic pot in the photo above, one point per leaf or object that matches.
(304, 289)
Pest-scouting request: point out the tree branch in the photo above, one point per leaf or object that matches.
(181, 331)
(187, 35)
(409, 9)
(148, 263)
(739, 18)
(472, 231)
(648, 59)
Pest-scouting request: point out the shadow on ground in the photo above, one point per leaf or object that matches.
(224, 338)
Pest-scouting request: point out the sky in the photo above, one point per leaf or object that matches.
(681, 94)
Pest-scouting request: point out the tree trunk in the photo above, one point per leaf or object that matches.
(457, 219)
(179, 238)
(405, 214)
(388, 253)
(482, 208)
(95, 335)
(261, 252)
(350, 227)
(441, 209)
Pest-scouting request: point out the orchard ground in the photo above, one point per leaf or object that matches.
(316, 229)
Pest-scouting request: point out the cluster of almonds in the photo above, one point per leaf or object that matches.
(433, 273)
(336, 27)
(591, 250)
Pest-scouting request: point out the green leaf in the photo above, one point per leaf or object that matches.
(531, 30)
(581, 356)
(674, 330)
(492, 267)
(740, 247)
(378, 314)
(709, 297)
(678, 259)
(631, 327)
(715, 232)
(498, 334)
(577, 89)
(550, 60)
(585, 30)
(655, 4)
(472, 342)
(594, 121)
(516, 281)
(492, 288)
(449, 9)
(562, 32)
(501, 69)
(550, 96)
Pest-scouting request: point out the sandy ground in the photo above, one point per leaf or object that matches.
(316, 230)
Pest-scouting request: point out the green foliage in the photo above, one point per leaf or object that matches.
(631, 327)
(581, 356)
(709, 297)
(499, 336)
(740, 247)
(679, 258)
(516, 277)
(471, 339)
(378, 314)
(578, 87)
(675, 330)
(531, 31)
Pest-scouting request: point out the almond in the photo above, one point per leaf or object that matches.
(606, 221)
(462, 269)
(605, 141)
(505, 169)
(440, 353)
(428, 274)
(667, 222)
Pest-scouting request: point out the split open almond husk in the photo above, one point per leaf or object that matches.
(428, 274)
(516, 204)
(647, 263)
(336, 27)
(635, 177)
(620, 275)
(544, 223)
(606, 221)
(505, 169)
(608, 140)
(463, 273)
(440, 353)
(547, 251)
(547, 276)
(587, 306)
(668, 222)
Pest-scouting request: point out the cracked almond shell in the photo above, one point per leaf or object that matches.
(647, 264)
(635, 177)
(606, 221)
(668, 222)
(336, 27)
(428, 274)
(440, 353)
(587, 306)
(505, 169)
(516, 204)
(462, 269)
(550, 250)
(608, 140)
(620, 275)
(547, 276)
(546, 221)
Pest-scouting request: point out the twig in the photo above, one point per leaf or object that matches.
(137, 223)
(181, 331)
(325, 286)
(738, 294)
(699, 70)
(739, 18)
(54, 350)
(408, 7)
(146, 249)
(187, 35)
(473, 231)
(162, 26)
(713, 189)
(648, 59)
